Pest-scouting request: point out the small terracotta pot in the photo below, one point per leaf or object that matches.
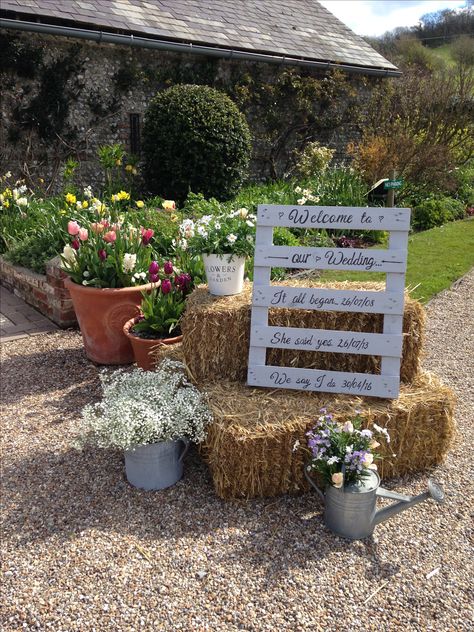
(102, 313)
(145, 349)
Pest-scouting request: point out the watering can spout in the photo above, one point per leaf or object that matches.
(435, 491)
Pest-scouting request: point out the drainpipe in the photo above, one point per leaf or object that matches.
(196, 49)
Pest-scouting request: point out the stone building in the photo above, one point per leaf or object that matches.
(78, 74)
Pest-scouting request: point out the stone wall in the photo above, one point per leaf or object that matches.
(45, 292)
(64, 98)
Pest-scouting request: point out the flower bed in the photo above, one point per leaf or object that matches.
(45, 292)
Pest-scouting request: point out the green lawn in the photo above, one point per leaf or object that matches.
(436, 258)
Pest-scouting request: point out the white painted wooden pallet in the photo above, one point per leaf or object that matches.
(389, 302)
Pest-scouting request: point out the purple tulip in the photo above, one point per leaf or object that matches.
(102, 254)
(154, 267)
(154, 278)
(168, 267)
(166, 286)
(75, 244)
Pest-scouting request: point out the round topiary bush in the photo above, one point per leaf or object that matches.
(195, 139)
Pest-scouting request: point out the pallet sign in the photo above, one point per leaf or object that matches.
(390, 302)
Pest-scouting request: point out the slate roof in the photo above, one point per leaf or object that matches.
(290, 28)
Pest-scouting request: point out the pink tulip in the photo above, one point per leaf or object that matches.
(110, 236)
(97, 227)
(168, 267)
(102, 254)
(73, 228)
(147, 234)
(166, 286)
(83, 234)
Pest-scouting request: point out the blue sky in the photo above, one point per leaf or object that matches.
(374, 17)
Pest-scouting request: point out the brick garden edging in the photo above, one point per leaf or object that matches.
(45, 292)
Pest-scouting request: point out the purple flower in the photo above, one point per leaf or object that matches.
(166, 286)
(102, 254)
(154, 267)
(154, 278)
(168, 267)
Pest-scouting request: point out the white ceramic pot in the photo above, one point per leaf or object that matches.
(225, 275)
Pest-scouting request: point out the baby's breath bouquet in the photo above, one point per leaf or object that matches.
(145, 407)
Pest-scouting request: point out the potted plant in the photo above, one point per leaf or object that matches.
(225, 240)
(160, 313)
(107, 262)
(152, 416)
(343, 457)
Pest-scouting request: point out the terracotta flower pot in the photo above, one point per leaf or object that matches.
(145, 348)
(101, 314)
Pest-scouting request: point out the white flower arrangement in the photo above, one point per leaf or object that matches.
(228, 233)
(144, 407)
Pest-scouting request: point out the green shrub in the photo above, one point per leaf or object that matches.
(313, 160)
(436, 212)
(195, 139)
(35, 250)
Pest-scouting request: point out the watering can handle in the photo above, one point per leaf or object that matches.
(187, 443)
(313, 484)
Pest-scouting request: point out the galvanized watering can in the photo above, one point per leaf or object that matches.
(350, 511)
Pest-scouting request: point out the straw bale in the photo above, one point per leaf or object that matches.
(216, 334)
(250, 444)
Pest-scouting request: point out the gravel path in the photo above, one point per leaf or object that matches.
(82, 550)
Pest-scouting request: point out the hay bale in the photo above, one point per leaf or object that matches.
(249, 447)
(217, 334)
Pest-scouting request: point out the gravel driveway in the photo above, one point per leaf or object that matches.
(82, 550)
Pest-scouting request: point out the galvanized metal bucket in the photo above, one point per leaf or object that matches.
(157, 465)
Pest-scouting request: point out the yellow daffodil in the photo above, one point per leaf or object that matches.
(6, 204)
(41, 180)
(140, 203)
(114, 197)
(118, 162)
(85, 204)
(129, 168)
(8, 192)
(134, 171)
(70, 198)
(123, 195)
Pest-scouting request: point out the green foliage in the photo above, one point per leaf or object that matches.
(313, 160)
(195, 139)
(465, 184)
(436, 211)
(35, 250)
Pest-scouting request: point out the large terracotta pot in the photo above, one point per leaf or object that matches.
(145, 349)
(101, 314)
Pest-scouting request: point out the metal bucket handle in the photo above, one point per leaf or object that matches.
(187, 444)
(313, 484)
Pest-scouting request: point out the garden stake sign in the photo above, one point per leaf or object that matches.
(390, 302)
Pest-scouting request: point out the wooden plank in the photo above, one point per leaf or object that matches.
(261, 278)
(394, 283)
(331, 258)
(368, 302)
(326, 341)
(324, 381)
(334, 217)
